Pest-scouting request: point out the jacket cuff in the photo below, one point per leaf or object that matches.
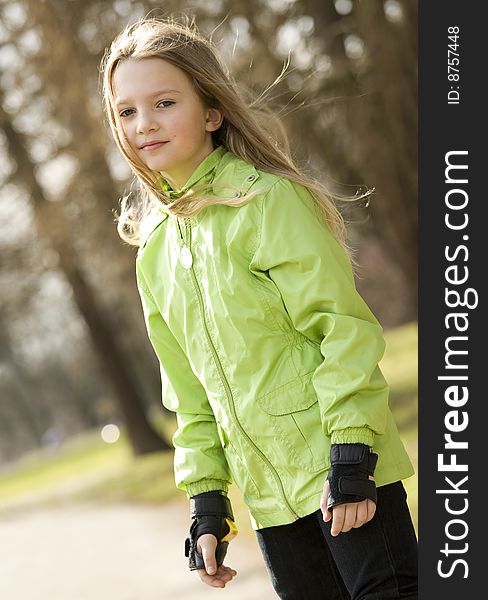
(206, 485)
(353, 435)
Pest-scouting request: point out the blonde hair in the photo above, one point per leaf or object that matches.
(249, 129)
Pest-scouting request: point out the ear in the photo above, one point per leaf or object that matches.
(213, 119)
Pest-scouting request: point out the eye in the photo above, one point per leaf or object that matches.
(124, 112)
(166, 103)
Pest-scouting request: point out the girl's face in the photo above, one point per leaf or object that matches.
(163, 119)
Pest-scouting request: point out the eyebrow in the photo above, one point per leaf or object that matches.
(158, 93)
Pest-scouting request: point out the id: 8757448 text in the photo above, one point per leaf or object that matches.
(453, 68)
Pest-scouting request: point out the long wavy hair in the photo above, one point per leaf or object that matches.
(249, 128)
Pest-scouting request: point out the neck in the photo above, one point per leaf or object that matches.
(178, 180)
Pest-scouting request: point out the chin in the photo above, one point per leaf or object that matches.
(155, 165)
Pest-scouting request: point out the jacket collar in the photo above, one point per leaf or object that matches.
(203, 173)
(220, 166)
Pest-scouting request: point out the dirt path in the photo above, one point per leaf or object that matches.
(113, 552)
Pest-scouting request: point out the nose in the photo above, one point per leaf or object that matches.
(146, 123)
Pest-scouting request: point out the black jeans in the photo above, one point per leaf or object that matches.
(377, 561)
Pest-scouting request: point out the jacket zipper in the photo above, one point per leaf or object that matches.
(223, 378)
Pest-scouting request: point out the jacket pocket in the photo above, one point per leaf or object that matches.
(298, 394)
(292, 414)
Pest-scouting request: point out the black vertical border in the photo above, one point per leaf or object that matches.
(447, 127)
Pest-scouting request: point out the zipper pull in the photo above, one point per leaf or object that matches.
(186, 257)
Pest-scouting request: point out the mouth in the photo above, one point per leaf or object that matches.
(150, 146)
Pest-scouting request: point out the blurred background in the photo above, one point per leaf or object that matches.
(86, 482)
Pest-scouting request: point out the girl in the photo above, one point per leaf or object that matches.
(268, 354)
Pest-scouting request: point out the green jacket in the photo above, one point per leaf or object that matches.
(268, 353)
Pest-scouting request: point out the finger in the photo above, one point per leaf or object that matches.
(350, 516)
(210, 580)
(226, 574)
(338, 515)
(326, 513)
(223, 571)
(220, 579)
(362, 513)
(371, 510)
(208, 544)
(205, 540)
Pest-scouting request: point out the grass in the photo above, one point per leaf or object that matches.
(80, 456)
(86, 468)
(399, 366)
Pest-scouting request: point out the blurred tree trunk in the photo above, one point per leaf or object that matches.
(385, 131)
(92, 190)
(50, 225)
(28, 419)
(328, 142)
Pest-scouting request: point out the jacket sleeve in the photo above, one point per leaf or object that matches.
(314, 277)
(199, 461)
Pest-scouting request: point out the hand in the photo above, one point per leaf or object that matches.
(211, 575)
(346, 516)
(212, 518)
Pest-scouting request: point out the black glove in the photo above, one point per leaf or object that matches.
(351, 465)
(211, 513)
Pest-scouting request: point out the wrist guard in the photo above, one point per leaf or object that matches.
(351, 465)
(211, 513)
